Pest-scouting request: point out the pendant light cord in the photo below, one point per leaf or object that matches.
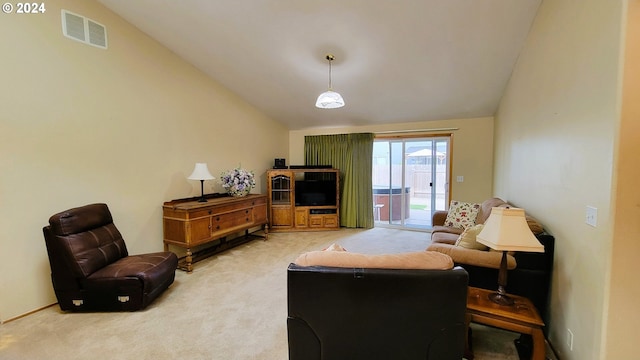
(329, 73)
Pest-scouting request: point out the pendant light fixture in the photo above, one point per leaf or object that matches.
(329, 99)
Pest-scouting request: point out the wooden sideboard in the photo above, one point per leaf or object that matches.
(189, 223)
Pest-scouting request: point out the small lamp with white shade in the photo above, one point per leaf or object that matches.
(201, 172)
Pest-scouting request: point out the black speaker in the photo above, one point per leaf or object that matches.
(279, 164)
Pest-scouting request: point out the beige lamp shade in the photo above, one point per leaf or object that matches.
(506, 229)
(201, 172)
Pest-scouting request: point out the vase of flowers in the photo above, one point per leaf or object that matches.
(238, 182)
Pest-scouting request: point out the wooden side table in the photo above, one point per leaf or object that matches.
(521, 317)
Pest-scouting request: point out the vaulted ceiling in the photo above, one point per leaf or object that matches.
(395, 61)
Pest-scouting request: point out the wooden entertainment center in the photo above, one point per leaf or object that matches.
(304, 199)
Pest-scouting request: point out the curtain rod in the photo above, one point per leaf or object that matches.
(416, 131)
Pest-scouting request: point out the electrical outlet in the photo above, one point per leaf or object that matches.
(592, 216)
(460, 178)
(570, 339)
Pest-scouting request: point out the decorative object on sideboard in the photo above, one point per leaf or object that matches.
(238, 182)
(201, 172)
(506, 230)
(330, 99)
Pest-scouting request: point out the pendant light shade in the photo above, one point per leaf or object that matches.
(329, 99)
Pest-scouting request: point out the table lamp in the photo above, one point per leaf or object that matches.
(201, 172)
(505, 230)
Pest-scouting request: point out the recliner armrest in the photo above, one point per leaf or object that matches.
(463, 256)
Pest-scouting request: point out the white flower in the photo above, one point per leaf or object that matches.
(238, 181)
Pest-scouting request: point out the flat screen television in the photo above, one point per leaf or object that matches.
(316, 190)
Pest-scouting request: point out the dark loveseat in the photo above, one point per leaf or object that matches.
(368, 313)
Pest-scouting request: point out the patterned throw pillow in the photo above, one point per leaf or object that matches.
(461, 215)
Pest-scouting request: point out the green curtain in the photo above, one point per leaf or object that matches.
(352, 154)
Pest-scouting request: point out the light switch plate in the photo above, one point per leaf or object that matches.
(592, 216)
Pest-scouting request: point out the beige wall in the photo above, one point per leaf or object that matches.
(554, 153)
(125, 125)
(79, 124)
(472, 150)
(623, 317)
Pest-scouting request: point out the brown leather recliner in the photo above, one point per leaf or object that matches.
(367, 313)
(91, 269)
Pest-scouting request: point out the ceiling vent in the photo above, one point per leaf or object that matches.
(82, 29)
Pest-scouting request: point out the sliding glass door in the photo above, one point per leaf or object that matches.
(410, 180)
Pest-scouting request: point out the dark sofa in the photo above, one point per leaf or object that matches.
(366, 313)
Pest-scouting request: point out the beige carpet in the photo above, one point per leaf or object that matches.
(233, 306)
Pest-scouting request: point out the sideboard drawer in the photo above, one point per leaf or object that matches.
(200, 213)
(232, 220)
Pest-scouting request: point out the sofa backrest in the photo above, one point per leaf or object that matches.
(360, 313)
(425, 260)
(485, 209)
(82, 240)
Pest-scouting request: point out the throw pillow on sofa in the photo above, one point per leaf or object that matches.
(461, 215)
(334, 247)
(468, 238)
